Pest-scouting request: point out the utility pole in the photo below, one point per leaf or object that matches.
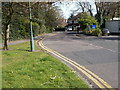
(31, 31)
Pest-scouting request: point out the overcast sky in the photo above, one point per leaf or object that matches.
(69, 6)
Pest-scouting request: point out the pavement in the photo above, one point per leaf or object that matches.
(21, 41)
(15, 42)
(98, 54)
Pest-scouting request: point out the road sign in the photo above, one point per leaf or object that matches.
(93, 26)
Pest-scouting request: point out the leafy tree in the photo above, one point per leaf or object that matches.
(16, 22)
(85, 21)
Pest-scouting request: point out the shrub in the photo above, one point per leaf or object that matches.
(20, 29)
(96, 32)
(86, 20)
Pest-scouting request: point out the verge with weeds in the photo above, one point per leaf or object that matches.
(24, 69)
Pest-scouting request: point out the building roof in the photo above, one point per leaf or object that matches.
(75, 17)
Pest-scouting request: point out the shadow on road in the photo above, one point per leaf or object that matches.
(83, 36)
(71, 33)
(111, 38)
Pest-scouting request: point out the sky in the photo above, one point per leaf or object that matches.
(69, 6)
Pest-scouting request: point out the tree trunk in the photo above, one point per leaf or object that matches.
(7, 25)
(6, 37)
(83, 9)
(113, 15)
(91, 14)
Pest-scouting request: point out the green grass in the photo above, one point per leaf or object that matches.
(24, 69)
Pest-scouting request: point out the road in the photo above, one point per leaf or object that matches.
(98, 54)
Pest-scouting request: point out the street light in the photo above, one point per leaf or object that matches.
(31, 31)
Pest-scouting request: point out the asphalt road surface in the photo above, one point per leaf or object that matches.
(98, 54)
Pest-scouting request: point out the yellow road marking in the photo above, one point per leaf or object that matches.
(93, 79)
(105, 83)
(81, 68)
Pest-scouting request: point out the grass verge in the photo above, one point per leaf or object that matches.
(24, 69)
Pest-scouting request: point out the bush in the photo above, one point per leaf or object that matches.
(85, 31)
(86, 20)
(20, 29)
(36, 28)
(96, 32)
(49, 30)
(42, 29)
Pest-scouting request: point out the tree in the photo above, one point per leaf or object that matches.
(7, 20)
(86, 21)
(16, 19)
(88, 6)
(10, 13)
(85, 7)
(106, 10)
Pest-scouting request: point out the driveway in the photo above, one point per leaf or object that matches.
(99, 55)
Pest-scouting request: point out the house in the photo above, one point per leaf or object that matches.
(73, 22)
(62, 22)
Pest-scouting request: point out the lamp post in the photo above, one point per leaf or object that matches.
(31, 31)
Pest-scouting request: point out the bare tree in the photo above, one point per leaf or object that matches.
(86, 6)
(106, 10)
(82, 5)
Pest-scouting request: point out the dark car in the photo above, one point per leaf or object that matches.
(105, 31)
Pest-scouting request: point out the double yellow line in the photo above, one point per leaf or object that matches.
(96, 79)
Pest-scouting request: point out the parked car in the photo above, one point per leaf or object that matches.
(69, 29)
(105, 31)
